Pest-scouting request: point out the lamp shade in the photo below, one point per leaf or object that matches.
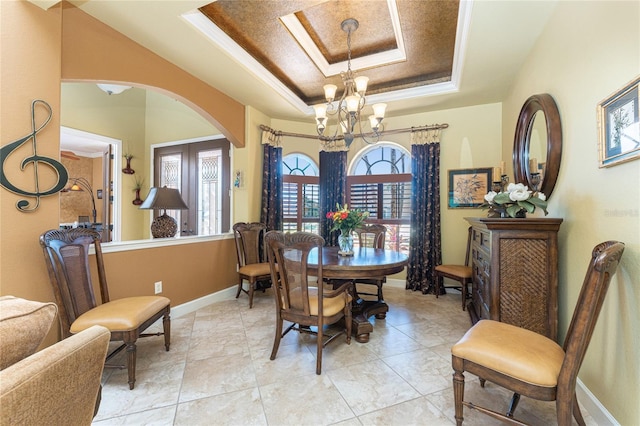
(164, 226)
(164, 198)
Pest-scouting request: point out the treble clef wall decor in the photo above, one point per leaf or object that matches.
(61, 172)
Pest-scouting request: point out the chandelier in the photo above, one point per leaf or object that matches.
(351, 104)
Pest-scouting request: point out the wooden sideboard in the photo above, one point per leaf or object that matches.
(515, 272)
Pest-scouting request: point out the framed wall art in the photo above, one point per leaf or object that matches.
(619, 126)
(467, 187)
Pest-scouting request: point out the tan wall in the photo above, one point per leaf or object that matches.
(31, 64)
(588, 51)
(30, 70)
(187, 271)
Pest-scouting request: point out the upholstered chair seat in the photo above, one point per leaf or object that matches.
(530, 364)
(122, 314)
(513, 351)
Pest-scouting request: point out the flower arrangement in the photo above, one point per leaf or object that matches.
(346, 220)
(514, 201)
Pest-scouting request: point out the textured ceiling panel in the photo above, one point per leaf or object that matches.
(428, 32)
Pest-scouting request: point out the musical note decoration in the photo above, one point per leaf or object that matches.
(61, 172)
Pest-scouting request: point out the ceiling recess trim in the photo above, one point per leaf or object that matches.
(226, 43)
(200, 22)
(370, 61)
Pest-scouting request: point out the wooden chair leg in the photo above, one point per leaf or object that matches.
(277, 337)
(566, 404)
(239, 287)
(166, 328)
(577, 414)
(464, 294)
(252, 285)
(319, 345)
(348, 321)
(513, 405)
(131, 363)
(458, 389)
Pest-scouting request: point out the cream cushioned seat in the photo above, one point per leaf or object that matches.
(531, 358)
(330, 306)
(122, 314)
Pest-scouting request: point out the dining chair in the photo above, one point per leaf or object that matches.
(66, 254)
(461, 273)
(252, 260)
(528, 363)
(372, 236)
(300, 298)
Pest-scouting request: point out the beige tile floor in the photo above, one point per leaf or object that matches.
(218, 372)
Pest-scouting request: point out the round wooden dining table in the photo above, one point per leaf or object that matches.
(365, 263)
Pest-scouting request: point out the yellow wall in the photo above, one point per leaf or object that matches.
(85, 107)
(588, 51)
(472, 140)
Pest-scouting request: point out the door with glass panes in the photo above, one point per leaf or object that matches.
(200, 171)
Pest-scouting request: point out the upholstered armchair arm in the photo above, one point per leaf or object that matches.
(58, 385)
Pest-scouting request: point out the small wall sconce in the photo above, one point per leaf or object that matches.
(238, 181)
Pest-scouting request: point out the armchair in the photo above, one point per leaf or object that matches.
(58, 385)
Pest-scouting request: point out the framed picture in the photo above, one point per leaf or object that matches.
(619, 126)
(467, 187)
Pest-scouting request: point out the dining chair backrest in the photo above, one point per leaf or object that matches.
(67, 252)
(290, 252)
(371, 235)
(249, 244)
(301, 299)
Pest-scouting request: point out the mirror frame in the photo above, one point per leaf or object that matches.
(545, 103)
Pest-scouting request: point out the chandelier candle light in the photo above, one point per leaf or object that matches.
(350, 106)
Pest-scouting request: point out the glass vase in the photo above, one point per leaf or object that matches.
(345, 243)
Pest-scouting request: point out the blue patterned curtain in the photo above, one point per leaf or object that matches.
(271, 213)
(425, 249)
(333, 189)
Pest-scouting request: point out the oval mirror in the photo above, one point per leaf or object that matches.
(537, 147)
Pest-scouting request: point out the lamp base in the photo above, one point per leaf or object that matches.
(164, 226)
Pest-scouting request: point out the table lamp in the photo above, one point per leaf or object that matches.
(164, 226)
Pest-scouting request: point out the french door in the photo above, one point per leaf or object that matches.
(200, 171)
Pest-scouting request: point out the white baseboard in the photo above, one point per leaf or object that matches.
(194, 305)
(591, 404)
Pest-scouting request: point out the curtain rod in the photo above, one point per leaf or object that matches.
(327, 139)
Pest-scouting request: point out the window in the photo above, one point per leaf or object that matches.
(200, 171)
(300, 198)
(380, 182)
